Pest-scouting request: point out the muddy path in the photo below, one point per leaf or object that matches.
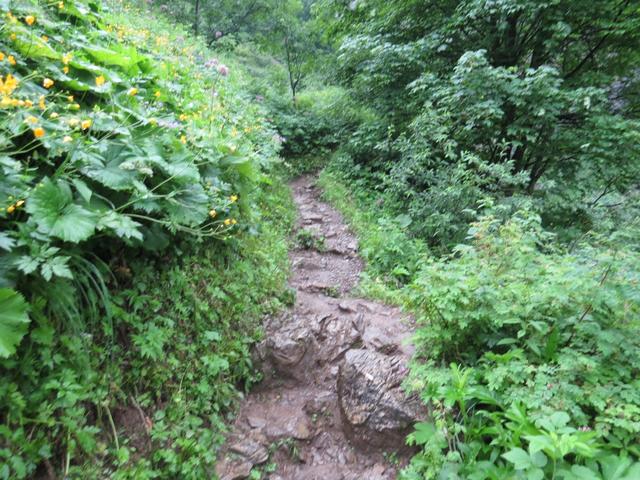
(330, 406)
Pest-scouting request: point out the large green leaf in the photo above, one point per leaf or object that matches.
(52, 209)
(121, 56)
(123, 225)
(106, 167)
(33, 46)
(188, 206)
(13, 321)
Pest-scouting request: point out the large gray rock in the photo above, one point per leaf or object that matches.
(375, 409)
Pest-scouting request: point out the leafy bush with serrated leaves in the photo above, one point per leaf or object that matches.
(543, 348)
(111, 131)
(142, 240)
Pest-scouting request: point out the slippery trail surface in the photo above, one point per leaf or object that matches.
(330, 406)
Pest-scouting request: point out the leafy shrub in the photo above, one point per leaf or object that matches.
(106, 139)
(142, 240)
(543, 346)
(317, 123)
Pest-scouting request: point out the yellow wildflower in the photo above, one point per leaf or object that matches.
(8, 85)
(44, 38)
(85, 124)
(100, 80)
(65, 69)
(233, 198)
(31, 119)
(38, 132)
(47, 83)
(28, 103)
(183, 117)
(73, 122)
(42, 103)
(133, 91)
(227, 221)
(183, 139)
(54, 115)
(30, 19)
(19, 203)
(70, 98)
(60, 5)
(1, 56)
(67, 139)
(233, 221)
(157, 94)
(11, 208)
(13, 36)
(212, 213)
(66, 58)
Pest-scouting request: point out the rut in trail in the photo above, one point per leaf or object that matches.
(330, 406)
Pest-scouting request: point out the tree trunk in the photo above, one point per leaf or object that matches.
(196, 21)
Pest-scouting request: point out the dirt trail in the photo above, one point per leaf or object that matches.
(330, 406)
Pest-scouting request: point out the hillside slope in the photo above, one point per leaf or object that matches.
(142, 239)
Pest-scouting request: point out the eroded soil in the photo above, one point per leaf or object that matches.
(309, 417)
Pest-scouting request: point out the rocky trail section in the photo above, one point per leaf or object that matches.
(331, 405)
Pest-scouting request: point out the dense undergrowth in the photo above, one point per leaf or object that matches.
(494, 189)
(142, 236)
(527, 350)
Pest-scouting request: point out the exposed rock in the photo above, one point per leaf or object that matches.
(384, 336)
(345, 307)
(287, 348)
(336, 336)
(256, 422)
(251, 450)
(375, 409)
(234, 469)
(293, 426)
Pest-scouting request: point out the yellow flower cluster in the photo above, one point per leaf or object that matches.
(8, 85)
(13, 207)
(10, 58)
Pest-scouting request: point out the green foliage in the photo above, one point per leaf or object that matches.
(177, 345)
(13, 321)
(544, 346)
(142, 233)
(527, 351)
(310, 240)
(392, 255)
(524, 89)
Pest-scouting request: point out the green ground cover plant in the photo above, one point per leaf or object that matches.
(143, 237)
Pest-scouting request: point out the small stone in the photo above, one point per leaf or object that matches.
(251, 450)
(345, 307)
(234, 469)
(256, 422)
(302, 431)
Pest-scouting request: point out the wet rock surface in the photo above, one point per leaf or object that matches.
(331, 404)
